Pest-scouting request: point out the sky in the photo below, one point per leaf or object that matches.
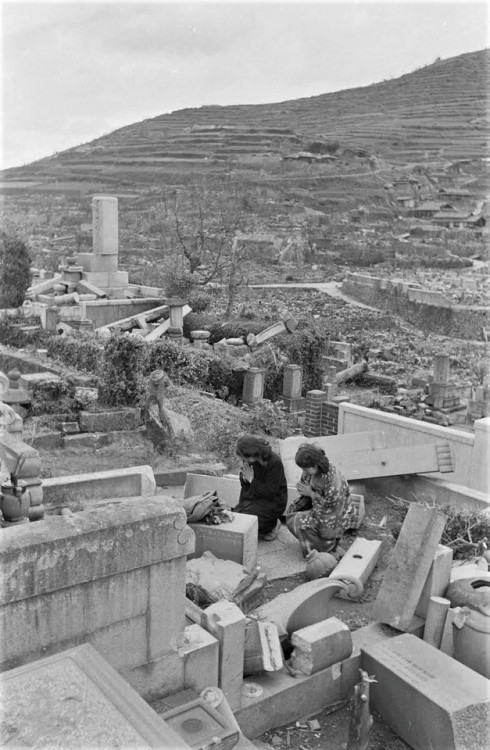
(75, 70)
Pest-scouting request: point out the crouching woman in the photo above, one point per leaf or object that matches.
(324, 509)
(264, 491)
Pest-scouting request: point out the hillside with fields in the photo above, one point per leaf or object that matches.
(336, 174)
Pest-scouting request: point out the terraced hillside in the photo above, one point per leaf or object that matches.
(439, 111)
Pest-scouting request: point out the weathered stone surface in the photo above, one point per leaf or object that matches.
(320, 645)
(199, 651)
(19, 456)
(81, 488)
(38, 558)
(227, 623)
(108, 421)
(80, 701)
(409, 566)
(428, 698)
(235, 540)
(437, 580)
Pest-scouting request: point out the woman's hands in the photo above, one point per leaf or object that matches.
(305, 489)
(247, 472)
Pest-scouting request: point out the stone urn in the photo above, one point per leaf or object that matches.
(319, 564)
(14, 502)
(471, 637)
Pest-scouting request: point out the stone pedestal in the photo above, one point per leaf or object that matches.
(200, 338)
(293, 381)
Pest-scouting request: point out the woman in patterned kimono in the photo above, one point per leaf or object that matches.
(324, 509)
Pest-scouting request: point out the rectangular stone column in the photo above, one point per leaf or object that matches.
(226, 622)
(441, 368)
(253, 386)
(105, 231)
(292, 386)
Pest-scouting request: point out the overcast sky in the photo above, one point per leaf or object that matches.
(73, 71)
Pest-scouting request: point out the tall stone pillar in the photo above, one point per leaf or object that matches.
(292, 386)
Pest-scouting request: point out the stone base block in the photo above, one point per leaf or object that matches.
(320, 645)
(236, 540)
(293, 405)
(426, 697)
(228, 489)
(93, 263)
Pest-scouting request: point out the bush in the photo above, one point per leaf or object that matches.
(306, 348)
(55, 398)
(81, 351)
(200, 300)
(11, 333)
(122, 381)
(179, 284)
(183, 365)
(15, 264)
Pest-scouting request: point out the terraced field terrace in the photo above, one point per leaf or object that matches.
(439, 111)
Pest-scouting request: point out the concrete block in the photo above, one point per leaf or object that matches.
(227, 623)
(166, 584)
(86, 287)
(358, 562)
(111, 420)
(117, 278)
(409, 566)
(320, 645)
(429, 699)
(200, 653)
(93, 263)
(134, 481)
(104, 711)
(97, 278)
(438, 579)
(235, 540)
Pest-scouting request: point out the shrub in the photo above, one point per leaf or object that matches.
(200, 300)
(179, 284)
(272, 362)
(11, 333)
(306, 348)
(183, 365)
(195, 321)
(81, 351)
(15, 267)
(122, 381)
(54, 398)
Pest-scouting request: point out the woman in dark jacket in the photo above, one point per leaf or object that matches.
(264, 490)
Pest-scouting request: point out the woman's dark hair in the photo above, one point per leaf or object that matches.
(249, 446)
(308, 455)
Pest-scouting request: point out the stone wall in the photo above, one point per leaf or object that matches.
(113, 577)
(429, 311)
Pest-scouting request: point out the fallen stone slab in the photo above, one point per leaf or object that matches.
(409, 567)
(358, 562)
(110, 420)
(429, 699)
(320, 645)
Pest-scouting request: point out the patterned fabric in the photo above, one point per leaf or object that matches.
(332, 510)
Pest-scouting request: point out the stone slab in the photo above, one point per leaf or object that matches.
(200, 652)
(426, 697)
(234, 540)
(320, 645)
(228, 489)
(76, 488)
(409, 566)
(177, 477)
(111, 420)
(76, 699)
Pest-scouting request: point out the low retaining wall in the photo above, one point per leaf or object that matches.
(470, 451)
(429, 311)
(113, 577)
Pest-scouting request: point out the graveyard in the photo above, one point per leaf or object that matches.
(120, 412)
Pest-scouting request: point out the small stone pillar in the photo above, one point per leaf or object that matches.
(441, 368)
(200, 338)
(253, 386)
(292, 385)
(50, 318)
(176, 327)
(313, 416)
